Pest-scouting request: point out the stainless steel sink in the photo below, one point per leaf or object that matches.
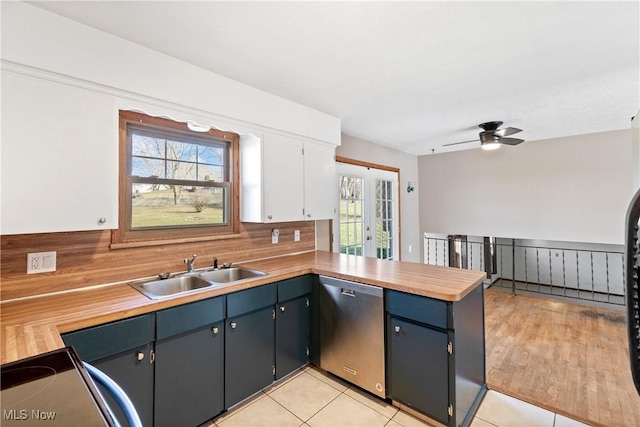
(193, 282)
(169, 287)
(233, 274)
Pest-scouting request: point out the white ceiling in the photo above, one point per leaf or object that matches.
(409, 75)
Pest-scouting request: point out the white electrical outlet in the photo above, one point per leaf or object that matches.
(41, 262)
(274, 235)
(296, 235)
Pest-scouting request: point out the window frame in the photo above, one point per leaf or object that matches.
(125, 235)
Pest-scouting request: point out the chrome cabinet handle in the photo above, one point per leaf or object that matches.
(270, 216)
(214, 330)
(282, 309)
(233, 325)
(397, 328)
(140, 356)
(308, 215)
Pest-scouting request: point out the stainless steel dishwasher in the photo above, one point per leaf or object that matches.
(352, 333)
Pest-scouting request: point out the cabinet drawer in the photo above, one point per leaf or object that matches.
(176, 320)
(293, 288)
(421, 309)
(112, 338)
(251, 299)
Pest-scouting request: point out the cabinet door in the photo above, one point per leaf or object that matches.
(133, 371)
(417, 360)
(249, 354)
(283, 179)
(320, 193)
(292, 335)
(189, 377)
(75, 170)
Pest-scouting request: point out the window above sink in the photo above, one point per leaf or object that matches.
(178, 181)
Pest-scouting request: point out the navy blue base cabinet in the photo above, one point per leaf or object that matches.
(292, 325)
(250, 342)
(419, 364)
(184, 365)
(436, 355)
(124, 351)
(189, 364)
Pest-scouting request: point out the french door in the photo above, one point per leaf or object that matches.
(367, 221)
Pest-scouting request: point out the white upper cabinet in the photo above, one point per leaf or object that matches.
(59, 157)
(285, 179)
(320, 192)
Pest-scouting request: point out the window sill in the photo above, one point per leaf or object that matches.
(148, 243)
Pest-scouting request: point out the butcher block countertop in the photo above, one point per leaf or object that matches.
(32, 326)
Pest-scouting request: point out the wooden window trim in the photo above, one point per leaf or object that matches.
(123, 237)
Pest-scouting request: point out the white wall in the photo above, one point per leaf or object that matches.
(63, 84)
(358, 149)
(40, 39)
(565, 189)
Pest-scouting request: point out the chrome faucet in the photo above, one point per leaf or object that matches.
(215, 263)
(190, 263)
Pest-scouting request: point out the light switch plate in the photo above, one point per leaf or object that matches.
(296, 235)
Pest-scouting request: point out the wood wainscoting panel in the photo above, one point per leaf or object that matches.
(85, 258)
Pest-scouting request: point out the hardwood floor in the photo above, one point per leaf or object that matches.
(568, 358)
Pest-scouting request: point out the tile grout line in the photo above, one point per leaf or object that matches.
(352, 387)
(343, 392)
(356, 390)
(286, 409)
(328, 403)
(304, 372)
(495, 425)
(248, 402)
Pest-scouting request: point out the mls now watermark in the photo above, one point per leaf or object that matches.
(24, 414)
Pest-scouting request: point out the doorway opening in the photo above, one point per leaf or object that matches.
(367, 221)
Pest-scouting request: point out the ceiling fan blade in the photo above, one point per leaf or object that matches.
(507, 131)
(461, 142)
(511, 141)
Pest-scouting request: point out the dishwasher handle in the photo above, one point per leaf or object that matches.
(349, 288)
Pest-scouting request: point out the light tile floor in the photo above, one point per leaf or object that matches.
(311, 398)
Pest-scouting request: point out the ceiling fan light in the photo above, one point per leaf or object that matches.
(489, 141)
(490, 145)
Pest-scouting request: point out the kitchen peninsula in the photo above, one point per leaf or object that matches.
(441, 301)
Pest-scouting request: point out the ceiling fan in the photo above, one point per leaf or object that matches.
(491, 137)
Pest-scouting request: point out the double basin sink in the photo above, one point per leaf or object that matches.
(191, 282)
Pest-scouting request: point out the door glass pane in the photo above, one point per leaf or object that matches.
(384, 221)
(351, 215)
